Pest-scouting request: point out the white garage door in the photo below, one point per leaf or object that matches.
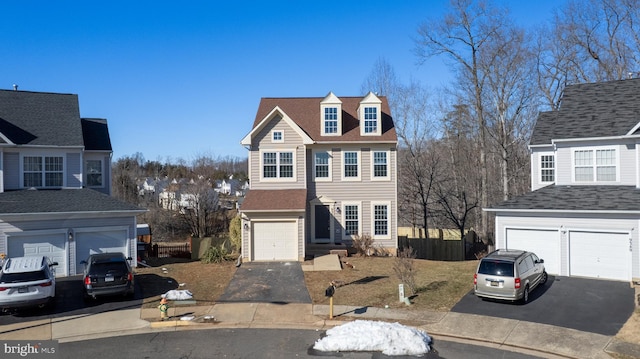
(600, 255)
(275, 241)
(52, 245)
(88, 243)
(544, 243)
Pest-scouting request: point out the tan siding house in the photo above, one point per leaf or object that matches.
(322, 172)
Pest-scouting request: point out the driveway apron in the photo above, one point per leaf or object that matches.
(267, 282)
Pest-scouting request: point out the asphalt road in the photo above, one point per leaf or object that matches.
(248, 343)
(596, 306)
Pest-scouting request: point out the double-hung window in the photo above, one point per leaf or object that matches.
(595, 165)
(370, 120)
(277, 164)
(350, 162)
(380, 165)
(547, 168)
(321, 166)
(381, 220)
(43, 171)
(351, 219)
(94, 173)
(330, 120)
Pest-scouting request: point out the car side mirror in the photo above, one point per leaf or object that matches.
(540, 260)
(83, 262)
(53, 264)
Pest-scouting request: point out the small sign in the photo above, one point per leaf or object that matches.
(29, 349)
(401, 291)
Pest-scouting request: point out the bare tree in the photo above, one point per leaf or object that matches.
(464, 36)
(199, 204)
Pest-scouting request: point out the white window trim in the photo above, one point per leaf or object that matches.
(343, 220)
(41, 155)
(555, 171)
(330, 164)
(278, 178)
(594, 149)
(273, 133)
(342, 172)
(378, 130)
(373, 220)
(87, 173)
(338, 108)
(372, 164)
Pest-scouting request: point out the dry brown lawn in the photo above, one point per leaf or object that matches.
(371, 282)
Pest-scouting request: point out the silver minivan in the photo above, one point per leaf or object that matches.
(509, 274)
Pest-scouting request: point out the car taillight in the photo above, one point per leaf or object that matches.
(475, 279)
(47, 284)
(2, 289)
(130, 277)
(517, 283)
(87, 280)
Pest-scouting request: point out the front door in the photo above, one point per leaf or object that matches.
(322, 224)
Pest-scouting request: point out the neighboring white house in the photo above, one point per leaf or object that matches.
(583, 215)
(322, 171)
(55, 183)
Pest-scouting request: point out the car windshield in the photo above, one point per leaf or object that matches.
(496, 267)
(102, 268)
(22, 277)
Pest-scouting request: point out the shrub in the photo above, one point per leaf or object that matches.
(404, 269)
(235, 233)
(216, 254)
(363, 245)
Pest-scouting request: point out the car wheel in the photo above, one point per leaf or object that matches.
(525, 295)
(544, 278)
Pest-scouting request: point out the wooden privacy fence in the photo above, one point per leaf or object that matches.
(433, 248)
(182, 250)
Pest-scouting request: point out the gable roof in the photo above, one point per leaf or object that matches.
(61, 201)
(40, 119)
(95, 134)
(275, 200)
(575, 199)
(305, 112)
(604, 109)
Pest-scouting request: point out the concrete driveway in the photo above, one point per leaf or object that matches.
(267, 282)
(596, 306)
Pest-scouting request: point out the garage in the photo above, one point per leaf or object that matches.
(275, 241)
(544, 243)
(102, 241)
(50, 244)
(588, 259)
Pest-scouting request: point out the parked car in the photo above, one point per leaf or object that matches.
(27, 282)
(509, 274)
(107, 274)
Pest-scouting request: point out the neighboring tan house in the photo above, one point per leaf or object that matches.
(55, 183)
(583, 215)
(322, 171)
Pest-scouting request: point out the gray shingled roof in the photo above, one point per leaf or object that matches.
(39, 118)
(575, 198)
(591, 110)
(61, 200)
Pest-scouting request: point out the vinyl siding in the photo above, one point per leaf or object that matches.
(626, 162)
(262, 142)
(11, 171)
(73, 170)
(364, 192)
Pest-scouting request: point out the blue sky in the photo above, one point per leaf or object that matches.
(178, 80)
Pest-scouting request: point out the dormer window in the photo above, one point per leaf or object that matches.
(331, 115)
(330, 120)
(369, 115)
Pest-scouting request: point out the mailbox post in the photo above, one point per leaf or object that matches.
(329, 292)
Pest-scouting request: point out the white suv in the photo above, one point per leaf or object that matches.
(27, 282)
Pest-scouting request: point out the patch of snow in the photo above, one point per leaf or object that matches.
(364, 335)
(178, 295)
